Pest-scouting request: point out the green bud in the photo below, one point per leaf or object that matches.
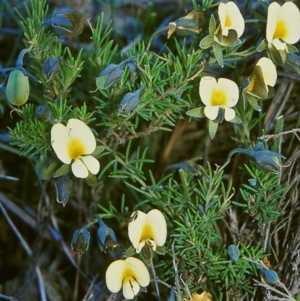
(17, 88)
(80, 241)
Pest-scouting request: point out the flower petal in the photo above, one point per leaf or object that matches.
(158, 224)
(114, 275)
(211, 112)
(78, 130)
(279, 45)
(59, 141)
(206, 88)
(79, 169)
(229, 114)
(288, 23)
(130, 288)
(91, 163)
(231, 18)
(138, 270)
(231, 91)
(135, 227)
(268, 70)
(273, 14)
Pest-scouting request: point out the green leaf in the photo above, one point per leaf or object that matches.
(91, 179)
(131, 251)
(262, 46)
(253, 102)
(206, 42)
(292, 48)
(212, 128)
(160, 250)
(218, 54)
(99, 149)
(62, 170)
(212, 25)
(45, 169)
(235, 120)
(198, 112)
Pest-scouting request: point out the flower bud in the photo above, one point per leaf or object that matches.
(43, 113)
(270, 276)
(80, 241)
(264, 159)
(63, 187)
(130, 101)
(69, 25)
(233, 252)
(51, 65)
(106, 238)
(189, 25)
(17, 88)
(109, 76)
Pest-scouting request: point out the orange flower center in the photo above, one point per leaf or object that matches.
(281, 30)
(76, 148)
(218, 98)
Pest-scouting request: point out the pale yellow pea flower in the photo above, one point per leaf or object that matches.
(74, 144)
(129, 274)
(223, 94)
(231, 18)
(283, 23)
(150, 228)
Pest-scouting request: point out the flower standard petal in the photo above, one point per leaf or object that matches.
(135, 228)
(231, 91)
(79, 169)
(59, 142)
(91, 163)
(114, 275)
(231, 18)
(138, 271)
(273, 14)
(206, 88)
(158, 224)
(268, 70)
(288, 23)
(79, 131)
(211, 112)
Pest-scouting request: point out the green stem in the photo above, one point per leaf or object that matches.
(154, 276)
(156, 33)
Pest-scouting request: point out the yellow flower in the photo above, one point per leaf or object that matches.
(74, 143)
(262, 78)
(283, 23)
(223, 94)
(131, 274)
(231, 18)
(150, 229)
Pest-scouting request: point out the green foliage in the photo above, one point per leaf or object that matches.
(139, 104)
